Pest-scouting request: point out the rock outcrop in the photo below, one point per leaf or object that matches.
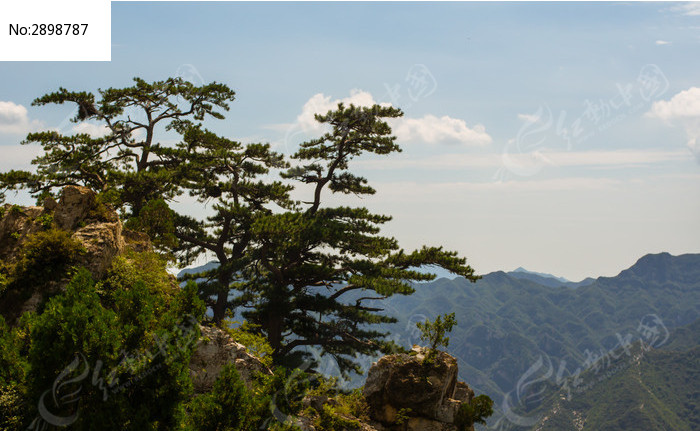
(79, 212)
(100, 232)
(407, 392)
(94, 224)
(215, 349)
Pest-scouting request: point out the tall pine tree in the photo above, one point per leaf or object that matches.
(128, 164)
(227, 174)
(318, 274)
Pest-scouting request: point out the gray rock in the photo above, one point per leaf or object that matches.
(425, 391)
(214, 350)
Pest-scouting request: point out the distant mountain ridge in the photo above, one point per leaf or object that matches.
(520, 269)
(508, 321)
(520, 272)
(548, 280)
(644, 389)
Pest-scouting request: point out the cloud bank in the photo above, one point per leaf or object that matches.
(683, 109)
(14, 119)
(428, 129)
(94, 130)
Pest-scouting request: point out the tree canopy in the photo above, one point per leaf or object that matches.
(128, 163)
(318, 274)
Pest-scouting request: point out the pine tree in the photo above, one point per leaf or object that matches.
(226, 173)
(129, 165)
(318, 274)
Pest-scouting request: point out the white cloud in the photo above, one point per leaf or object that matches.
(663, 42)
(14, 119)
(622, 158)
(683, 108)
(684, 104)
(688, 8)
(610, 159)
(429, 128)
(18, 156)
(432, 130)
(94, 130)
(321, 104)
(446, 190)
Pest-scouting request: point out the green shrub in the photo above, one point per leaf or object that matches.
(330, 419)
(11, 361)
(4, 282)
(46, 220)
(11, 410)
(101, 210)
(73, 327)
(157, 220)
(247, 334)
(475, 412)
(435, 332)
(354, 404)
(46, 256)
(12, 378)
(133, 268)
(135, 343)
(228, 407)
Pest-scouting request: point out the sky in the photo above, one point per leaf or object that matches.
(561, 137)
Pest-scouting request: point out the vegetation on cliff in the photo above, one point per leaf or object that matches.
(94, 329)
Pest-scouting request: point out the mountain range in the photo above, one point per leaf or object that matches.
(513, 330)
(524, 337)
(642, 388)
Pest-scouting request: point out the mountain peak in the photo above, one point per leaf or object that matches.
(521, 270)
(662, 267)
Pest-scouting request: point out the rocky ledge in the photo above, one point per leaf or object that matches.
(416, 391)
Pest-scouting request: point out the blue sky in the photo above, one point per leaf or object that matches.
(558, 137)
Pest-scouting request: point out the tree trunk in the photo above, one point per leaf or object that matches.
(274, 333)
(219, 308)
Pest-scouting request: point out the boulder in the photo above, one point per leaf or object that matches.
(416, 391)
(79, 205)
(102, 242)
(214, 350)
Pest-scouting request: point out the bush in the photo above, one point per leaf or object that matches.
(12, 375)
(228, 407)
(46, 220)
(434, 332)
(330, 420)
(10, 408)
(246, 334)
(74, 331)
(121, 349)
(475, 412)
(157, 220)
(46, 256)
